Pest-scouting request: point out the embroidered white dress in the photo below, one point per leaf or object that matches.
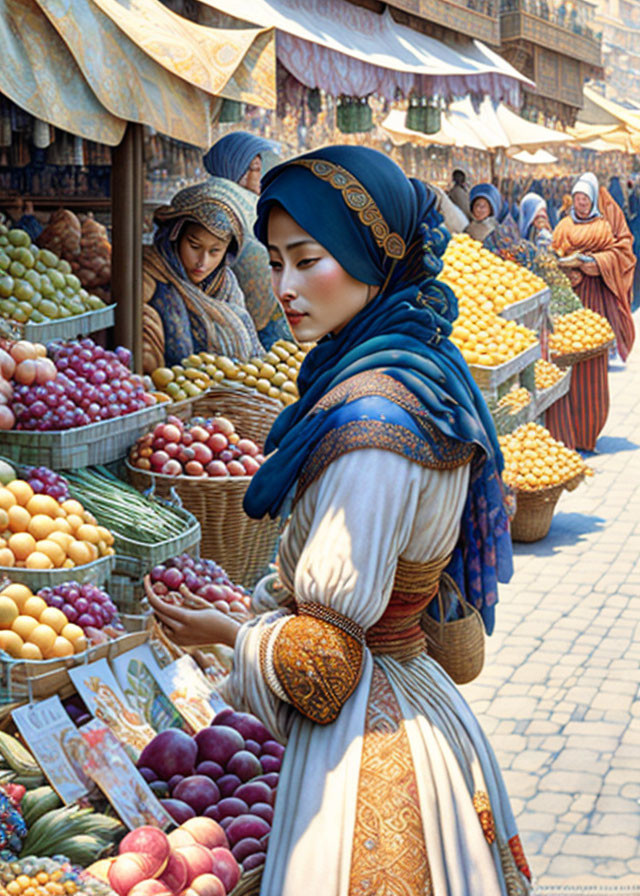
(341, 549)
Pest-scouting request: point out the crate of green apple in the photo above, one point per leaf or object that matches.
(228, 772)
(202, 447)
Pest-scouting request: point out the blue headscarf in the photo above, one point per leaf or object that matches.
(488, 192)
(384, 230)
(615, 189)
(529, 208)
(231, 155)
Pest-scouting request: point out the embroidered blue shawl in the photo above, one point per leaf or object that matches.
(384, 229)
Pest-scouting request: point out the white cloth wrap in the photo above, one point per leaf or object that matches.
(341, 549)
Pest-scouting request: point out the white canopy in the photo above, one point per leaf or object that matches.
(539, 157)
(347, 49)
(492, 127)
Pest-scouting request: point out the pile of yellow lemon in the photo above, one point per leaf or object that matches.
(579, 331)
(547, 374)
(515, 399)
(486, 339)
(534, 460)
(38, 532)
(186, 380)
(474, 272)
(30, 630)
(274, 374)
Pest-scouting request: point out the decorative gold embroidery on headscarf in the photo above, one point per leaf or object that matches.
(359, 200)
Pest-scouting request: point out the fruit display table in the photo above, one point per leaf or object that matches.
(494, 382)
(69, 327)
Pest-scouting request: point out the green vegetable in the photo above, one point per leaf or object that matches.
(121, 508)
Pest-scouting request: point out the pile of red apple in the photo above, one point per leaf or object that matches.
(204, 578)
(227, 773)
(210, 447)
(193, 860)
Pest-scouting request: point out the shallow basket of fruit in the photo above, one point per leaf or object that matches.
(209, 467)
(252, 412)
(579, 336)
(71, 404)
(571, 358)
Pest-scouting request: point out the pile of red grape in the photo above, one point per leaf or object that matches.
(202, 577)
(200, 448)
(86, 605)
(44, 481)
(91, 384)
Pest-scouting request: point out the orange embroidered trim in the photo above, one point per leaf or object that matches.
(359, 200)
(483, 808)
(518, 855)
(318, 665)
(389, 856)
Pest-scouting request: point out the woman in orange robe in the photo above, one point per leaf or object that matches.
(596, 227)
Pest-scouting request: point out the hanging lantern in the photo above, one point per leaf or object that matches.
(424, 114)
(314, 101)
(230, 111)
(353, 114)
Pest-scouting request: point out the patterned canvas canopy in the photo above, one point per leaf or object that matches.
(89, 67)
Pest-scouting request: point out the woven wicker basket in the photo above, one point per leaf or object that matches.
(456, 644)
(577, 357)
(534, 512)
(249, 883)
(242, 546)
(251, 412)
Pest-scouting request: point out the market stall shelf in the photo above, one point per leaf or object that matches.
(71, 449)
(547, 397)
(490, 379)
(96, 572)
(22, 680)
(68, 327)
(531, 311)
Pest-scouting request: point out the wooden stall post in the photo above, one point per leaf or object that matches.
(127, 184)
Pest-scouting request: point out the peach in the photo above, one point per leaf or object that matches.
(176, 875)
(151, 842)
(100, 869)
(206, 885)
(205, 831)
(128, 870)
(199, 860)
(180, 837)
(150, 888)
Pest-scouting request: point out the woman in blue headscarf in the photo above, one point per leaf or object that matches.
(533, 221)
(486, 203)
(235, 162)
(389, 470)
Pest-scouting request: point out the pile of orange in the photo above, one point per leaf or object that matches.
(38, 532)
(534, 460)
(486, 339)
(547, 374)
(30, 630)
(42, 883)
(579, 331)
(515, 399)
(474, 272)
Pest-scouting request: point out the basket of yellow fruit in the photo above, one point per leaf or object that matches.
(39, 641)
(579, 336)
(538, 468)
(42, 539)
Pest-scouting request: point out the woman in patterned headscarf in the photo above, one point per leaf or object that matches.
(388, 469)
(192, 299)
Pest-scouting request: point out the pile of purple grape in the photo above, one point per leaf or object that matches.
(91, 384)
(47, 482)
(86, 605)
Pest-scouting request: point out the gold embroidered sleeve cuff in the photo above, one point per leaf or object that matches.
(316, 657)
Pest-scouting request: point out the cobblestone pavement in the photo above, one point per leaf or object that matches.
(559, 694)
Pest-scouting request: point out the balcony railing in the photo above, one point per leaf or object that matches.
(476, 18)
(549, 26)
